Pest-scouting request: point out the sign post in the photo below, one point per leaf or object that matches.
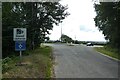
(19, 36)
(20, 57)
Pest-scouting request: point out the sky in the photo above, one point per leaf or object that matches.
(79, 25)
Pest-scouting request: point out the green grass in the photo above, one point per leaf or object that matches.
(0, 69)
(108, 51)
(70, 45)
(38, 64)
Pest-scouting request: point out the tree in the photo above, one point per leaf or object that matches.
(65, 38)
(107, 20)
(37, 17)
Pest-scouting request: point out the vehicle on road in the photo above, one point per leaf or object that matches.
(89, 44)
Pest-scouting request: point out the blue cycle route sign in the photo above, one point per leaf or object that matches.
(20, 45)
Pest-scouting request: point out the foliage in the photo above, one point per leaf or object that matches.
(37, 17)
(107, 20)
(6, 63)
(107, 50)
(65, 38)
(37, 64)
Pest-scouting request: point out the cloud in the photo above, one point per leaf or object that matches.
(80, 23)
(83, 28)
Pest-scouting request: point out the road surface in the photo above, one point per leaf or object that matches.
(80, 61)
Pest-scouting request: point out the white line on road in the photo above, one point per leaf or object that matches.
(109, 57)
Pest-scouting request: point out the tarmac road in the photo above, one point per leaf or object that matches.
(80, 61)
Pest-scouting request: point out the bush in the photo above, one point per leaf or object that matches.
(5, 65)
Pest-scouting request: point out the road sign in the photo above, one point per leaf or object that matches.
(20, 45)
(19, 34)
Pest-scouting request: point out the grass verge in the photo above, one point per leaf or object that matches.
(37, 64)
(108, 51)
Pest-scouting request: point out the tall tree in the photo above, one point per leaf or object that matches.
(107, 20)
(37, 17)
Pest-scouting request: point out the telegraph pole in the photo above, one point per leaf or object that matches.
(61, 32)
(75, 39)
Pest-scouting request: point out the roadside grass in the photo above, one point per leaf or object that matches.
(36, 64)
(108, 51)
(0, 68)
(70, 45)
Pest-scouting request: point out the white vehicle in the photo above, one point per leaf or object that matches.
(89, 44)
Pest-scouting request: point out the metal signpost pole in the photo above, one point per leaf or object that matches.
(20, 57)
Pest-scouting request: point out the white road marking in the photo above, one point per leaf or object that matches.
(109, 56)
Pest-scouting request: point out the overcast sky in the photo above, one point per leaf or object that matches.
(80, 23)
